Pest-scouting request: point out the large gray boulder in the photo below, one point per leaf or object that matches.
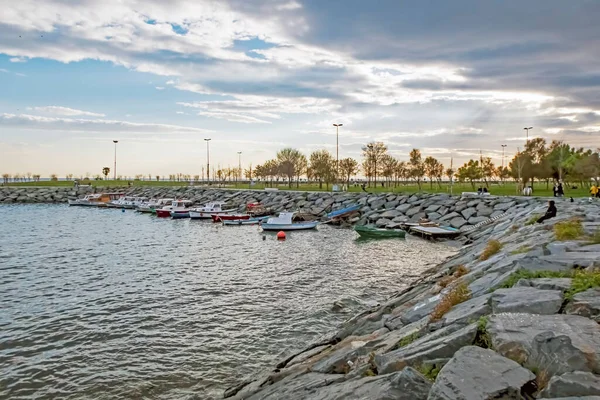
(476, 373)
(572, 384)
(404, 207)
(504, 206)
(476, 220)
(413, 211)
(440, 344)
(469, 212)
(562, 284)
(382, 222)
(557, 343)
(420, 310)
(457, 222)
(391, 214)
(450, 216)
(468, 311)
(586, 304)
(527, 300)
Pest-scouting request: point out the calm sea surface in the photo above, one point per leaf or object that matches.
(104, 304)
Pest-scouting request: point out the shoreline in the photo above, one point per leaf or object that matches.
(428, 342)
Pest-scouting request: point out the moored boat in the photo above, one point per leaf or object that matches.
(151, 205)
(284, 222)
(95, 200)
(229, 217)
(370, 231)
(249, 221)
(210, 209)
(182, 206)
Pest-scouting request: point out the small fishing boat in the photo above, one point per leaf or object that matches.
(96, 200)
(229, 217)
(343, 212)
(126, 202)
(370, 231)
(249, 221)
(284, 222)
(182, 206)
(210, 209)
(151, 205)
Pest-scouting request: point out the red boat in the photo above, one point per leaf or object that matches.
(176, 206)
(228, 217)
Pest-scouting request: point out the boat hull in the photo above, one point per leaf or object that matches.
(204, 215)
(250, 221)
(290, 227)
(378, 233)
(163, 213)
(85, 203)
(228, 217)
(180, 214)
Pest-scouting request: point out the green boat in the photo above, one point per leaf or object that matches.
(370, 231)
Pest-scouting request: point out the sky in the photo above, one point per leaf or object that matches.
(455, 79)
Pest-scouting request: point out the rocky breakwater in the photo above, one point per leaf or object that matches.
(12, 194)
(515, 315)
(384, 210)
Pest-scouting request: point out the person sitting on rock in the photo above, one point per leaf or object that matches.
(550, 212)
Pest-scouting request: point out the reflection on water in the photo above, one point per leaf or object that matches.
(102, 304)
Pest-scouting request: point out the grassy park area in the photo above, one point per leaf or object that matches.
(499, 189)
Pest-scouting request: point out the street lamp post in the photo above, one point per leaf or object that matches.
(207, 161)
(503, 146)
(527, 129)
(115, 167)
(239, 165)
(337, 151)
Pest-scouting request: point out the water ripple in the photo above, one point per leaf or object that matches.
(100, 304)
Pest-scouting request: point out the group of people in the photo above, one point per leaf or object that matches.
(558, 189)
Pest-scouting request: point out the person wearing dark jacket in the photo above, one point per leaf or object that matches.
(550, 212)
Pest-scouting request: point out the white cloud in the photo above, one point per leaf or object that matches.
(4, 70)
(160, 88)
(17, 60)
(65, 111)
(37, 122)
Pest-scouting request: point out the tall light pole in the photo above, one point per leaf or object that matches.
(337, 151)
(115, 167)
(503, 146)
(240, 166)
(527, 129)
(207, 161)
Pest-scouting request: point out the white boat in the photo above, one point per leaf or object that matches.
(123, 202)
(284, 222)
(178, 208)
(95, 200)
(250, 221)
(151, 205)
(210, 209)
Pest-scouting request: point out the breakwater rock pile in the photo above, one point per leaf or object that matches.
(515, 315)
(384, 210)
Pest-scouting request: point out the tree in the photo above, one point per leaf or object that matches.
(105, 172)
(520, 168)
(54, 177)
(373, 153)
(288, 160)
(402, 171)
(470, 171)
(248, 173)
(502, 173)
(388, 167)
(301, 167)
(488, 169)
(417, 168)
(348, 168)
(432, 168)
(322, 167)
(6, 178)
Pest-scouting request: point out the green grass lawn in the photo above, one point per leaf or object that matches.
(507, 189)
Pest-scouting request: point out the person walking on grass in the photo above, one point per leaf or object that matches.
(594, 191)
(550, 212)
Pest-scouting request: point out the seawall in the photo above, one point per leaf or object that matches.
(384, 209)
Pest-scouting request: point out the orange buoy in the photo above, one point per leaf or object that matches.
(281, 235)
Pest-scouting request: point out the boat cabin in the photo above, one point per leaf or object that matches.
(282, 218)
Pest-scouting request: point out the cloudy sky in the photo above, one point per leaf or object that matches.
(448, 77)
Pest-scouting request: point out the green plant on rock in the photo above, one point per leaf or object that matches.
(521, 250)
(582, 281)
(445, 281)
(532, 220)
(526, 274)
(406, 340)
(482, 337)
(594, 238)
(455, 296)
(429, 371)
(568, 230)
(492, 247)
